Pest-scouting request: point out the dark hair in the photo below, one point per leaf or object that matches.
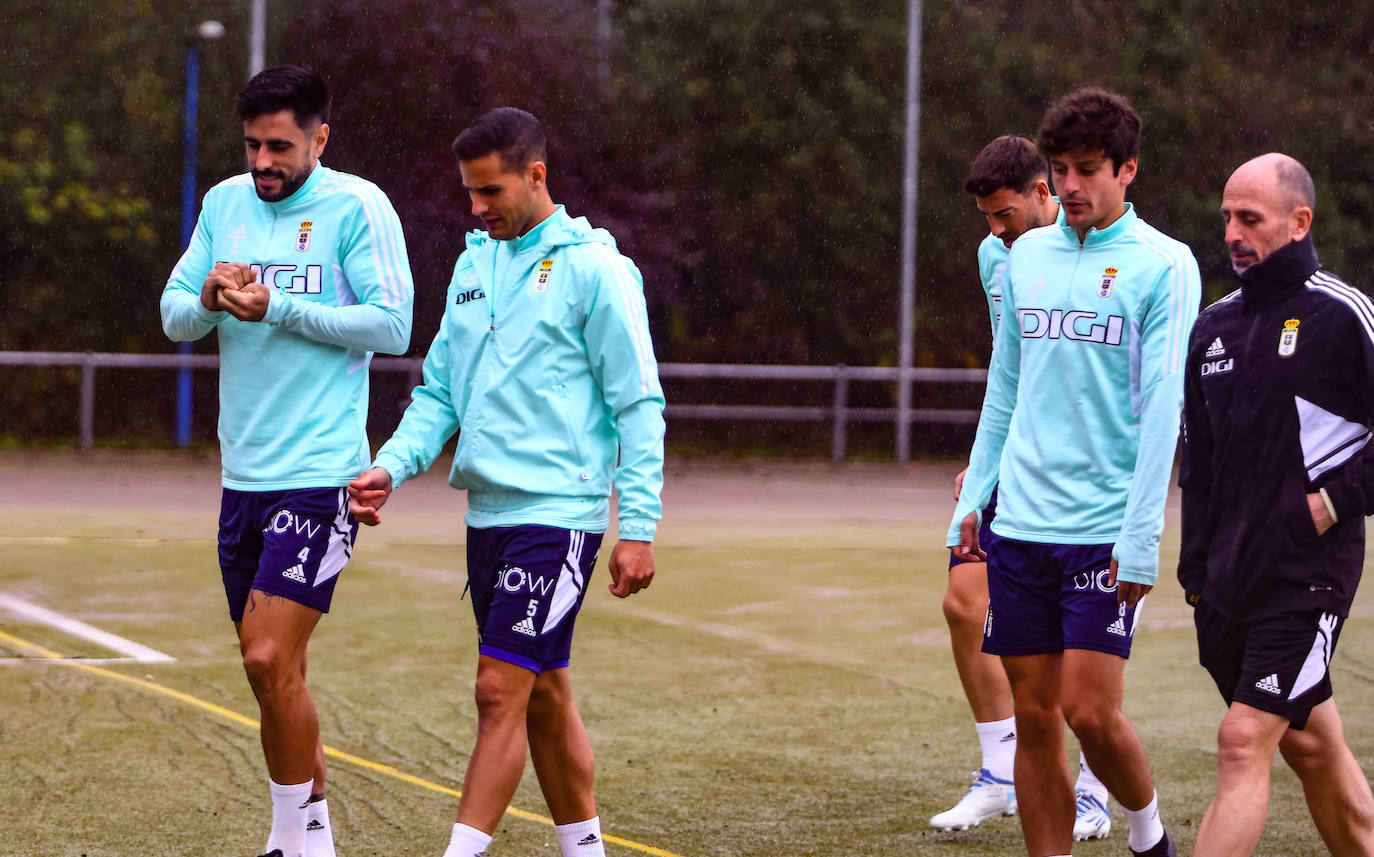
(1008, 161)
(1090, 119)
(286, 87)
(515, 134)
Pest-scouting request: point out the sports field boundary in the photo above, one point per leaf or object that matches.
(49, 656)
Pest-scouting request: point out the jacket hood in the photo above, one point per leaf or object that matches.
(558, 230)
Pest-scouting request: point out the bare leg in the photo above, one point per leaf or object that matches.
(1092, 692)
(1246, 742)
(1337, 791)
(560, 749)
(982, 675)
(498, 760)
(272, 637)
(1043, 787)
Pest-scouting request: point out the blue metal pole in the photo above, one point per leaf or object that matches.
(188, 223)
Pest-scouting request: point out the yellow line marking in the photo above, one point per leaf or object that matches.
(249, 722)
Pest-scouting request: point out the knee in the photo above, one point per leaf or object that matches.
(266, 666)
(1304, 754)
(1038, 722)
(963, 611)
(1091, 721)
(496, 697)
(548, 700)
(1240, 742)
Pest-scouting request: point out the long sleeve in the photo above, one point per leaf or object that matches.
(622, 361)
(1163, 352)
(184, 317)
(999, 401)
(377, 272)
(429, 421)
(1351, 491)
(1195, 479)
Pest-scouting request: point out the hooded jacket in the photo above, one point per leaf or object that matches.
(544, 366)
(1278, 401)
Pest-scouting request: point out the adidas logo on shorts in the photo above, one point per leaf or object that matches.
(524, 626)
(295, 572)
(1216, 349)
(1270, 684)
(1118, 627)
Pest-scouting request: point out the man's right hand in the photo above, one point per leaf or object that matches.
(367, 494)
(232, 276)
(967, 550)
(959, 484)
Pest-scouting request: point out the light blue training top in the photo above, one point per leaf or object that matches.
(293, 387)
(1081, 414)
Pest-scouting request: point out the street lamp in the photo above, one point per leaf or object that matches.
(206, 31)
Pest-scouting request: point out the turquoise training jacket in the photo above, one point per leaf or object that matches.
(992, 265)
(1081, 414)
(293, 388)
(544, 366)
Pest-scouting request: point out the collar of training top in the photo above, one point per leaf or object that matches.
(1286, 268)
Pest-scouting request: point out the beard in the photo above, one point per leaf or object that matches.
(288, 186)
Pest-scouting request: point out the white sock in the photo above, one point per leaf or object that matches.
(1144, 829)
(581, 838)
(998, 740)
(467, 842)
(1088, 781)
(319, 836)
(288, 818)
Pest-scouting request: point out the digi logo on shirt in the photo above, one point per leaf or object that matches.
(1075, 324)
(309, 283)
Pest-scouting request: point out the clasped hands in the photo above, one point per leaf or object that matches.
(233, 287)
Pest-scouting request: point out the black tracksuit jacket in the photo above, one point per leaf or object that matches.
(1278, 400)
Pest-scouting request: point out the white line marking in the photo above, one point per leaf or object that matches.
(77, 628)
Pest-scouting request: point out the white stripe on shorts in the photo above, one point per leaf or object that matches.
(340, 548)
(570, 582)
(1318, 659)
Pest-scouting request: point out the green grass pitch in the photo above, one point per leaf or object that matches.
(784, 688)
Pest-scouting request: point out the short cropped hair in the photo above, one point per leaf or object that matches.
(285, 87)
(1008, 161)
(516, 135)
(1091, 119)
(1295, 182)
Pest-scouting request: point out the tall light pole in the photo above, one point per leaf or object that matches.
(257, 40)
(907, 332)
(204, 32)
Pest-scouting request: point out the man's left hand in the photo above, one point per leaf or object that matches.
(1321, 517)
(632, 567)
(1127, 593)
(246, 304)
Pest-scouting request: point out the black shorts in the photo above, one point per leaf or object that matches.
(1280, 664)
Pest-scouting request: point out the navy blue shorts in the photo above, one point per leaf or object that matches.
(1045, 598)
(527, 586)
(986, 537)
(1280, 664)
(290, 543)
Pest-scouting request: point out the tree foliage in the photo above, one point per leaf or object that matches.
(747, 155)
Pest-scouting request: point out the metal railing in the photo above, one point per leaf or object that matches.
(839, 413)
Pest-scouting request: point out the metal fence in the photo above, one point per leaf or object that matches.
(839, 413)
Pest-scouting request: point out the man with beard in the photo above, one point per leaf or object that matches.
(302, 272)
(1277, 479)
